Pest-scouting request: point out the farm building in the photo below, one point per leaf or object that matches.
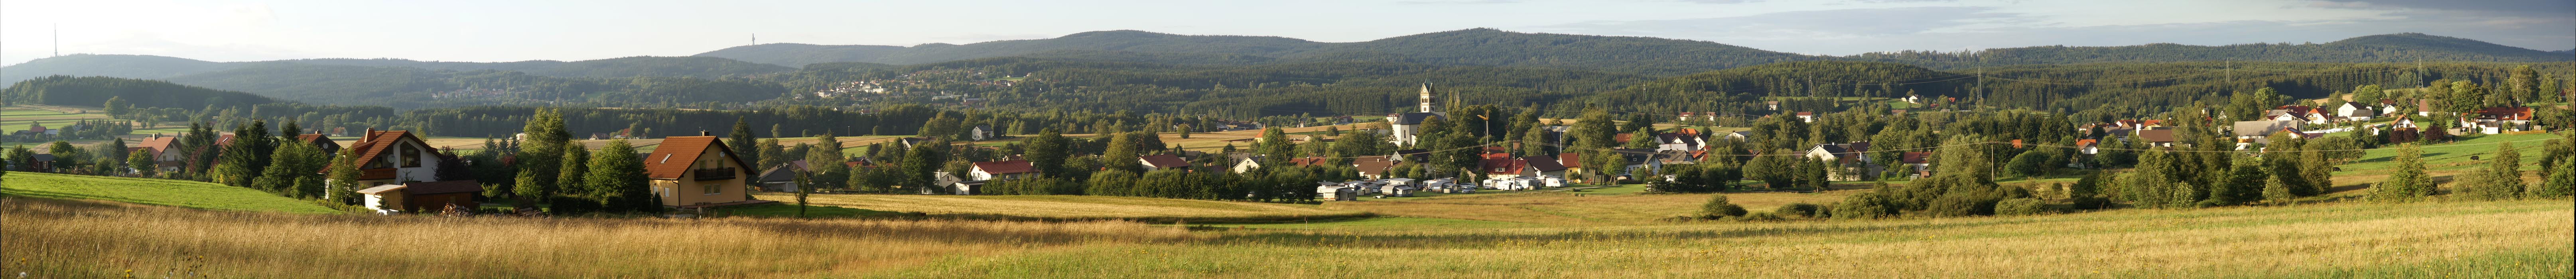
(414, 197)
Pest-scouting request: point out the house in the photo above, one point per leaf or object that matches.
(1807, 116)
(1738, 135)
(2356, 111)
(2498, 120)
(36, 128)
(2088, 146)
(1335, 192)
(2284, 115)
(1408, 126)
(2426, 107)
(390, 157)
(1851, 159)
(974, 187)
(2403, 122)
(1772, 105)
(1686, 116)
(1378, 167)
(41, 162)
(1847, 153)
(2259, 130)
(698, 172)
(1164, 161)
(1245, 162)
(2387, 107)
(163, 154)
(781, 178)
(982, 133)
(422, 197)
(1678, 142)
(2319, 116)
(320, 140)
(2158, 137)
(1002, 170)
(1918, 164)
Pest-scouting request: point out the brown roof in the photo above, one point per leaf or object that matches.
(659, 165)
(2157, 135)
(376, 144)
(1006, 167)
(160, 143)
(1165, 161)
(1309, 161)
(1375, 165)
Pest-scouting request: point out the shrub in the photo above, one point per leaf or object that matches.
(1761, 217)
(2022, 206)
(1863, 206)
(1717, 206)
(1963, 205)
(1803, 210)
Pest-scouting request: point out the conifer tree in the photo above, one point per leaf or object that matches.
(827, 166)
(540, 157)
(744, 145)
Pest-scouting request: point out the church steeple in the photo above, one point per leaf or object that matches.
(1426, 97)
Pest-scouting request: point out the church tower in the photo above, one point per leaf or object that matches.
(1426, 97)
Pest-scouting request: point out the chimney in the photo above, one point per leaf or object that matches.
(705, 133)
(371, 132)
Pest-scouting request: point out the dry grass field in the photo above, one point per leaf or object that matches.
(76, 239)
(1079, 208)
(79, 239)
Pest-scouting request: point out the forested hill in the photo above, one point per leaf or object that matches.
(1471, 47)
(2391, 48)
(160, 67)
(114, 65)
(1635, 55)
(94, 91)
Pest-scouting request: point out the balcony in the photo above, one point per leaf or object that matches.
(376, 174)
(714, 174)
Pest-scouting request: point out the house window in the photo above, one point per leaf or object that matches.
(410, 156)
(714, 188)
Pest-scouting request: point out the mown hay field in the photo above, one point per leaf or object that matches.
(1078, 208)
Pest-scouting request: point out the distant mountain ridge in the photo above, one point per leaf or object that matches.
(1470, 47)
(1642, 55)
(163, 67)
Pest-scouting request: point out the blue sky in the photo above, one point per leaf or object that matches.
(485, 31)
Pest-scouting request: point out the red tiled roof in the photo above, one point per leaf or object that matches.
(1164, 161)
(1308, 161)
(1006, 167)
(2086, 143)
(2506, 113)
(687, 149)
(1505, 166)
(1915, 158)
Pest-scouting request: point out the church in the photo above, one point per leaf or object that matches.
(1407, 127)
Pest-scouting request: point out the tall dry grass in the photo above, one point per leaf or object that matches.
(2523, 239)
(79, 239)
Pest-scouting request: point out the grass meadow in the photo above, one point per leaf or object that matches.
(179, 193)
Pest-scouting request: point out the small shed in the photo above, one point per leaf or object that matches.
(413, 197)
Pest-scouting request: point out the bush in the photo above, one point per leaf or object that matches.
(1761, 217)
(1863, 206)
(1963, 205)
(1803, 210)
(1717, 206)
(2022, 206)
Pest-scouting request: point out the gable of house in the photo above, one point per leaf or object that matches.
(678, 155)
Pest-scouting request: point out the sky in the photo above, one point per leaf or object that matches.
(496, 31)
